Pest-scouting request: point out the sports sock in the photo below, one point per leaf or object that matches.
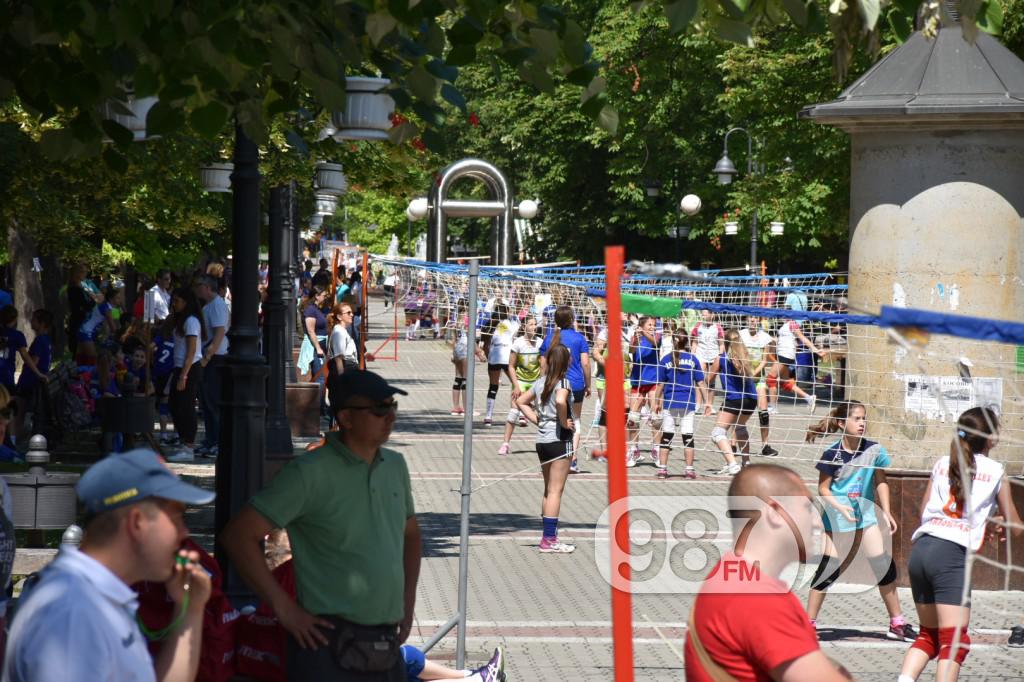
(550, 526)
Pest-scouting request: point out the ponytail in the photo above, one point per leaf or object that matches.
(974, 428)
(830, 424)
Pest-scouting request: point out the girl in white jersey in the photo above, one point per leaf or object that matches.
(964, 487)
(524, 361)
(497, 339)
(707, 340)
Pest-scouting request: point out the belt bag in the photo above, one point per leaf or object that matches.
(366, 648)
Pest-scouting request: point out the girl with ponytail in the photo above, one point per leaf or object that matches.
(579, 364)
(852, 486)
(964, 487)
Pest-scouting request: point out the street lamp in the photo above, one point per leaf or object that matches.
(726, 171)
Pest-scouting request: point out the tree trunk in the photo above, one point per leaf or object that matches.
(34, 290)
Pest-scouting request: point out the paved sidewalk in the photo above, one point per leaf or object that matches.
(552, 612)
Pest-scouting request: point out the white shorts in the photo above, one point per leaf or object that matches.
(707, 360)
(677, 416)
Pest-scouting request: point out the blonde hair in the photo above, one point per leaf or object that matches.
(736, 351)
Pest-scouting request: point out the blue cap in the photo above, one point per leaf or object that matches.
(121, 479)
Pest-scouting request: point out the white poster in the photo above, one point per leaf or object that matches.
(942, 397)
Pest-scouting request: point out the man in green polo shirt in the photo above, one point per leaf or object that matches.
(348, 510)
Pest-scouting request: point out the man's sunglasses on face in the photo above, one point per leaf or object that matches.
(378, 410)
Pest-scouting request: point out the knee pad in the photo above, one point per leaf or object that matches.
(771, 381)
(687, 440)
(946, 645)
(718, 434)
(633, 420)
(657, 420)
(666, 439)
(788, 385)
(492, 391)
(826, 574)
(459, 384)
(928, 642)
(763, 418)
(742, 433)
(890, 574)
(513, 416)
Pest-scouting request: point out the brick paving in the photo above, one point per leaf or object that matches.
(552, 612)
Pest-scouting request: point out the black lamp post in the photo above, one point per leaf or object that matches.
(239, 468)
(276, 346)
(726, 171)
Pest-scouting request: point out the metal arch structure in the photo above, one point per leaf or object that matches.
(499, 207)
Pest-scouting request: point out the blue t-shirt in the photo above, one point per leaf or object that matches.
(645, 362)
(680, 381)
(96, 317)
(163, 357)
(11, 341)
(5, 299)
(42, 350)
(737, 386)
(853, 482)
(577, 345)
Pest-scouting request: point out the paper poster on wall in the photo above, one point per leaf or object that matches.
(922, 394)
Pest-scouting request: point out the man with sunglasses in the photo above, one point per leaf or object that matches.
(348, 510)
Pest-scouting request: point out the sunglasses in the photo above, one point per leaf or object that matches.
(378, 410)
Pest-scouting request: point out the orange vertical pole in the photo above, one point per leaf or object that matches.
(618, 482)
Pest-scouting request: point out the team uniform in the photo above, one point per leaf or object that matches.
(708, 337)
(11, 341)
(527, 360)
(938, 556)
(756, 344)
(788, 344)
(553, 441)
(853, 483)
(577, 346)
(679, 378)
(645, 366)
(501, 344)
(599, 377)
(740, 392)
(42, 350)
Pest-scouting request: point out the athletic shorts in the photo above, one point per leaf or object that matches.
(496, 368)
(603, 419)
(643, 390)
(415, 661)
(577, 396)
(677, 420)
(88, 336)
(936, 569)
(743, 406)
(547, 452)
(790, 364)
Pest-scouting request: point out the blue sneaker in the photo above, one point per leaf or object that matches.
(574, 466)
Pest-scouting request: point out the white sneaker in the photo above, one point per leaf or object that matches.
(184, 455)
(729, 470)
(632, 457)
(812, 401)
(503, 450)
(772, 409)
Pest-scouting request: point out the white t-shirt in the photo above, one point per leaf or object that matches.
(216, 314)
(755, 343)
(161, 303)
(708, 337)
(941, 518)
(192, 328)
(787, 339)
(501, 342)
(527, 358)
(341, 343)
(391, 280)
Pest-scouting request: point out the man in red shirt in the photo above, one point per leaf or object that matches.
(745, 624)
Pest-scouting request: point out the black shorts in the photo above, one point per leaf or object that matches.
(160, 386)
(743, 406)
(790, 364)
(496, 368)
(547, 452)
(936, 569)
(577, 395)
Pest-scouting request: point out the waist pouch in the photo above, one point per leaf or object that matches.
(365, 648)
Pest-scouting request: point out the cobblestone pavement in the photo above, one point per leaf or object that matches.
(552, 612)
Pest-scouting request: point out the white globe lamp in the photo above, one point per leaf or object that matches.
(528, 209)
(418, 209)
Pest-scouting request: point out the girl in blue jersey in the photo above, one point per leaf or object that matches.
(579, 365)
(644, 382)
(682, 381)
(852, 483)
(737, 375)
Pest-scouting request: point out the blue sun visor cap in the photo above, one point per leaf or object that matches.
(130, 477)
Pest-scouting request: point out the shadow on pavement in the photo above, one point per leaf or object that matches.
(441, 530)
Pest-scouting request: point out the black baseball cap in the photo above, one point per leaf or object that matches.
(130, 477)
(353, 383)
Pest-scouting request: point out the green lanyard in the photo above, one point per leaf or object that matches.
(157, 635)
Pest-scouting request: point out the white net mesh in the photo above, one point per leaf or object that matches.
(914, 385)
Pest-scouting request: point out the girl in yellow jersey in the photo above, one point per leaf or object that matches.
(524, 368)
